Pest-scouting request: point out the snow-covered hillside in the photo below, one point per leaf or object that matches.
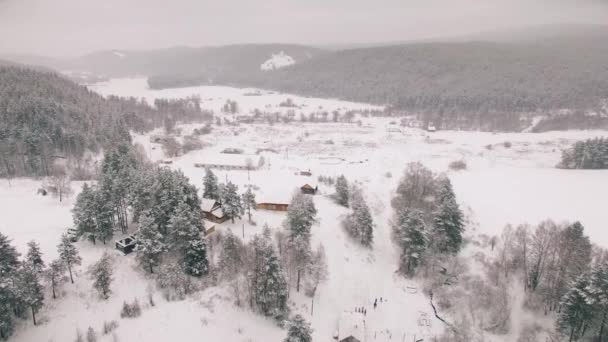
(277, 61)
(504, 183)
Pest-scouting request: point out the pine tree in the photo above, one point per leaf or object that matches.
(83, 213)
(342, 191)
(31, 291)
(195, 257)
(151, 245)
(359, 223)
(210, 185)
(34, 256)
(597, 291)
(249, 201)
(54, 275)
(104, 215)
(299, 330)
(231, 201)
(184, 226)
(68, 253)
(9, 264)
(301, 215)
(101, 274)
(448, 223)
(410, 236)
(317, 273)
(267, 281)
(576, 313)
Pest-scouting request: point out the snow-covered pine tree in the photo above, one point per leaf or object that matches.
(231, 201)
(301, 215)
(576, 313)
(299, 330)
(342, 191)
(210, 185)
(33, 257)
(31, 291)
(267, 280)
(597, 291)
(9, 263)
(151, 243)
(249, 202)
(104, 215)
(359, 223)
(55, 275)
(101, 274)
(448, 225)
(195, 257)
(84, 212)
(410, 236)
(68, 253)
(184, 226)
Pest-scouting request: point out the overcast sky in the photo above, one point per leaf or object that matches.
(72, 27)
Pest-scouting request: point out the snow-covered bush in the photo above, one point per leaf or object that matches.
(458, 165)
(108, 327)
(130, 310)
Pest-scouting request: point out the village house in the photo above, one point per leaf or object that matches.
(212, 210)
(351, 327)
(226, 161)
(309, 189)
(127, 245)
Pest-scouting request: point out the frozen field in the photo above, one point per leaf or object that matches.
(502, 185)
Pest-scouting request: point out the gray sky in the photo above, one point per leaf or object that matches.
(71, 27)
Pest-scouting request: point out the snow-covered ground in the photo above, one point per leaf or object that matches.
(277, 61)
(504, 183)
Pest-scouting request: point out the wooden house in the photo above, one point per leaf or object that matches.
(309, 189)
(273, 206)
(351, 327)
(212, 210)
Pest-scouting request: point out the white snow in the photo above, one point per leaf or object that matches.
(119, 54)
(501, 185)
(277, 61)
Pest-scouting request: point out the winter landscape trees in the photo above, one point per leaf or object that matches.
(428, 220)
(588, 154)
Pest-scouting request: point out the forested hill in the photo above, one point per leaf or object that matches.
(44, 117)
(466, 84)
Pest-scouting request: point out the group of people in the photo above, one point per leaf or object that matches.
(363, 310)
(376, 302)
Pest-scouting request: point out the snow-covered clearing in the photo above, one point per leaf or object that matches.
(277, 61)
(504, 183)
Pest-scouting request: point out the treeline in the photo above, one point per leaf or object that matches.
(428, 224)
(468, 85)
(45, 117)
(588, 154)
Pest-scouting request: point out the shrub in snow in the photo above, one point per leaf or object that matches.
(458, 165)
(130, 310)
(507, 144)
(91, 335)
(108, 327)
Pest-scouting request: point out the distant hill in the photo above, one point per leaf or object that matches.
(460, 84)
(44, 116)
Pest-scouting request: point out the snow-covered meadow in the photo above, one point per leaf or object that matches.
(510, 178)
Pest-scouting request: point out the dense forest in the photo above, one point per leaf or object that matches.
(588, 154)
(471, 85)
(45, 117)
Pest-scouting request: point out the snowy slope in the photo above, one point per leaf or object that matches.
(277, 61)
(501, 185)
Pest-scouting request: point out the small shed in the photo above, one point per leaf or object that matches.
(127, 245)
(212, 210)
(309, 189)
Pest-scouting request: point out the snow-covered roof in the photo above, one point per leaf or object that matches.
(228, 159)
(207, 204)
(351, 324)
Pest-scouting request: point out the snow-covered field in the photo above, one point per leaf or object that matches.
(504, 183)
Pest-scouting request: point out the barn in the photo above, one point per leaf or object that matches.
(273, 206)
(212, 210)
